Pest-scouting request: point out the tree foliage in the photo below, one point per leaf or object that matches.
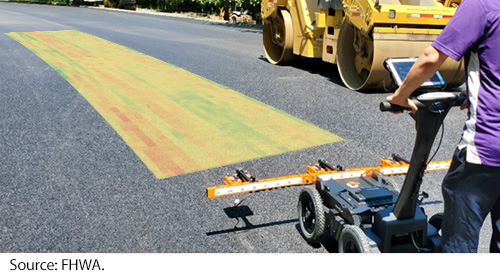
(201, 6)
(206, 7)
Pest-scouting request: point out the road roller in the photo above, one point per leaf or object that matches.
(357, 35)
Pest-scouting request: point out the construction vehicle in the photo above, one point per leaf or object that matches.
(241, 16)
(121, 4)
(357, 35)
(361, 208)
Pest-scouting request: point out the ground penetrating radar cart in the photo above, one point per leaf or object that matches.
(362, 208)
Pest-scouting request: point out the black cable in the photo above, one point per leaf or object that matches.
(419, 249)
(439, 144)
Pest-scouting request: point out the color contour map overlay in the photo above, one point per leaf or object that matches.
(175, 121)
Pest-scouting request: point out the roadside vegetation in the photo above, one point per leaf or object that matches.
(220, 9)
(53, 2)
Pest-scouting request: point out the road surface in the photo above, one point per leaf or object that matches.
(71, 183)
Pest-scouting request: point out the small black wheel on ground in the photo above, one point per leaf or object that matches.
(436, 221)
(353, 240)
(311, 215)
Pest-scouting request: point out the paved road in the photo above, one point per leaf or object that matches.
(69, 182)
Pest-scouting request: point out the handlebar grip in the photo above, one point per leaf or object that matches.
(426, 100)
(388, 107)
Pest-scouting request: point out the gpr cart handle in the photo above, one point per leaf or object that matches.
(426, 100)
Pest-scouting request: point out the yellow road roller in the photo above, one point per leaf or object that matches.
(357, 35)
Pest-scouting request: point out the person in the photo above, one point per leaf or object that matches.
(471, 188)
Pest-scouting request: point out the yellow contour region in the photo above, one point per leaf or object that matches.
(175, 121)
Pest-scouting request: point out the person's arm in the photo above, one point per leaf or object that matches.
(426, 65)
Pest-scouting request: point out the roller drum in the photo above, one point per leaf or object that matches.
(360, 59)
(278, 37)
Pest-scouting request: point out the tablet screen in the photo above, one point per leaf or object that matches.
(399, 68)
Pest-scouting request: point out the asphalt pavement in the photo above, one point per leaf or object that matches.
(69, 183)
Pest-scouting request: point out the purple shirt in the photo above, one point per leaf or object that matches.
(474, 33)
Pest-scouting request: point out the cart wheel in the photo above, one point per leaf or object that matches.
(353, 240)
(436, 221)
(311, 215)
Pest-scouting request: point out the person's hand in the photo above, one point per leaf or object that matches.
(395, 99)
(466, 102)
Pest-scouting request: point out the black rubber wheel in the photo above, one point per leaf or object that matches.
(436, 221)
(353, 240)
(311, 215)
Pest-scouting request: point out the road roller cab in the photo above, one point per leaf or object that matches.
(357, 35)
